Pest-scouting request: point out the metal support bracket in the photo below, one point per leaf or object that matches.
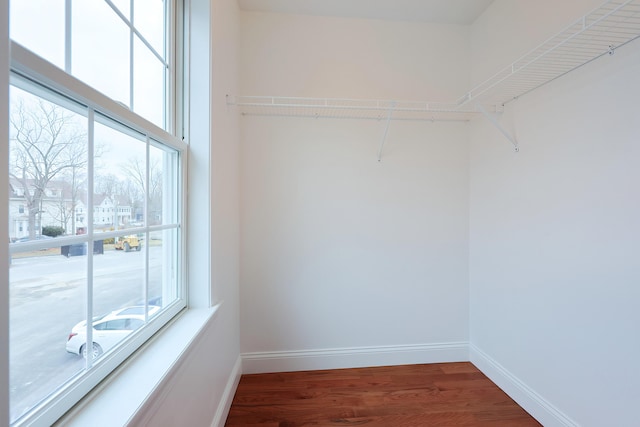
(386, 130)
(498, 126)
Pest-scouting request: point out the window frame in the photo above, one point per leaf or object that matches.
(4, 213)
(26, 65)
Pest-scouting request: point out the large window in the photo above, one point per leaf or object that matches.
(96, 194)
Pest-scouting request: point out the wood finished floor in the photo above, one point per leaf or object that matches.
(445, 394)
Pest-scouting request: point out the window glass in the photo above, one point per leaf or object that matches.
(47, 297)
(124, 6)
(39, 25)
(138, 309)
(148, 84)
(100, 49)
(163, 184)
(120, 180)
(116, 325)
(48, 168)
(118, 283)
(134, 324)
(48, 175)
(149, 20)
(163, 268)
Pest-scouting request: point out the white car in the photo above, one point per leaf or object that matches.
(108, 330)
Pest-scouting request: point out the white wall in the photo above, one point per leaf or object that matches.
(299, 55)
(509, 29)
(554, 232)
(200, 393)
(342, 254)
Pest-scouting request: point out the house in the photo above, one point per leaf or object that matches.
(454, 246)
(58, 207)
(54, 209)
(112, 211)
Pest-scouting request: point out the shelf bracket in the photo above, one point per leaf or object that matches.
(498, 126)
(386, 130)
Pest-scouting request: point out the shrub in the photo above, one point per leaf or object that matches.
(52, 231)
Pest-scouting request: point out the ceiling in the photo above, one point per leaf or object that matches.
(462, 12)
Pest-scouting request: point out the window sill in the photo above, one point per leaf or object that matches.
(118, 399)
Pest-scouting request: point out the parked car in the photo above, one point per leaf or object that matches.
(108, 330)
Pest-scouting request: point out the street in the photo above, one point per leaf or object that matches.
(47, 298)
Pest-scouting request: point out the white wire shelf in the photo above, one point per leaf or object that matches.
(610, 26)
(368, 109)
(600, 32)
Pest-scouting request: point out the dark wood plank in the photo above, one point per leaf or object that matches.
(448, 394)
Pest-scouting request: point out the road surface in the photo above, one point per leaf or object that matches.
(47, 298)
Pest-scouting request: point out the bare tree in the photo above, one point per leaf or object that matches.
(73, 190)
(135, 169)
(46, 142)
(107, 185)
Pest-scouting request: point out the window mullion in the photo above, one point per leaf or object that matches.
(131, 68)
(147, 236)
(151, 48)
(135, 31)
(90, 231)
(170, 82)
(68, 21)
(34, 68)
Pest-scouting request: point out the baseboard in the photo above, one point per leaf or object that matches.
(355, 357)
(224, 406)
(541, 409)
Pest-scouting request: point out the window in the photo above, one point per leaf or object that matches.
(82, 137)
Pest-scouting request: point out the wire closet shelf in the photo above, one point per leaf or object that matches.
(610, 26)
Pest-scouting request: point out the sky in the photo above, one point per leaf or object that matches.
(100, 45)
(100, 56)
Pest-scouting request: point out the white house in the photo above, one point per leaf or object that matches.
(111, 211)
(58, 208)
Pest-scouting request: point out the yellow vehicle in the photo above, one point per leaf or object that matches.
(127, 243)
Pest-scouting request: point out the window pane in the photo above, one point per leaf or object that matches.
(163, 185)
(120, 179)
(100, 49)
(118, 285)
(48, 168)
(124, 6)
(48, 161)
(39, 26)
(163, 267)
(47, 295)
(149, 21)
(148, 84)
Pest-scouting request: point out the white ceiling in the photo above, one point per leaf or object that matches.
(434, 11)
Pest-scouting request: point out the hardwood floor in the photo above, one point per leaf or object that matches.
(446, 394)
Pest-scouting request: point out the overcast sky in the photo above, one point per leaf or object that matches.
(100, 45)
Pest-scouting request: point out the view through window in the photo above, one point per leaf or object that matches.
(95, 197)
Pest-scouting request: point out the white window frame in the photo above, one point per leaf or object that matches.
(4, 213)
(29, 66)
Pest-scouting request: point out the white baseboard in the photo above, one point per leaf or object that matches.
(224, 406)
(541, 409)
(355, 357)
